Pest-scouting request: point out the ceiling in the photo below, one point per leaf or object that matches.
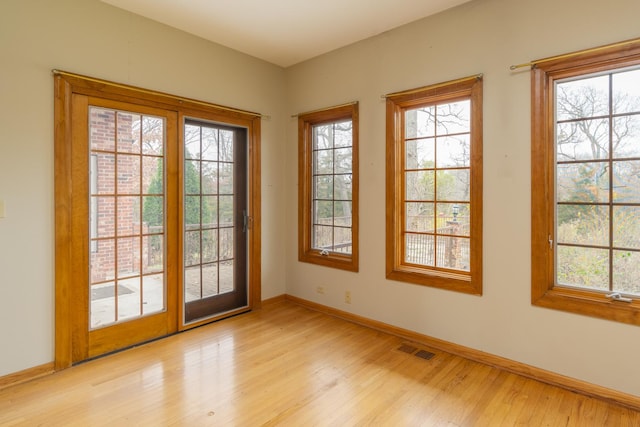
(285, 32)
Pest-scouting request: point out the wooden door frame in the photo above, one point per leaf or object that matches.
(68, 84)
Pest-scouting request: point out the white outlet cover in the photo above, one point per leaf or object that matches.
(1, 208)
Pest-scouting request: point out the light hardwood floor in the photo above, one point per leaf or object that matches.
(291, 366)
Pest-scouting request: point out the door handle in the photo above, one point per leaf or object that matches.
(245, 221)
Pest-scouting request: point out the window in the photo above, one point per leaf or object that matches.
(328, 187)
(434, 186)
(586, 183)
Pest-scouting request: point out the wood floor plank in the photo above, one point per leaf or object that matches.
(287, 365)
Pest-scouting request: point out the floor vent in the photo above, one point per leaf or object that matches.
(409, 349)
(424, 354)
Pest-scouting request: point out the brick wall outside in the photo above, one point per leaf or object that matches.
(121, 229)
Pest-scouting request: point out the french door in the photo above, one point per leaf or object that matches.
(155, 227)
(123, 237)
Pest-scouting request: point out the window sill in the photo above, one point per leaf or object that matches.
(437, 279)
(333, 260)
(589, 304)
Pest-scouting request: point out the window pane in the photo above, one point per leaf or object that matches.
(191, 142)
(192, 177)
(106, 173)
(152, 135)
(322, 162)
(209, 177)
(104, 209)
(152, 175)
(128, 215)
(626, 92)
(453, 252)
(583, 224)
(583, 98)
(153, 253)
(626, 136)
(322, 236)
(342, 213)
(626, 272)
(103, 304)
(103, 261)
(192, 212)
(153, 293)
(225, 147)
(129, 298)
(129, 133)
(419, 217)
(225, 176)
(128, 181)
(453, 117)
(209, 143)
(626, 181)
(192, 289)
(209, 245)
(322, 137)
(192, 248)
(128, 256)
(584, 267)
(225, 208)
(226, 277)
(419, 249)
(453, 185)
(420, 185)
(153, 214)
(342, 240)
(226, 243)
(583, 140)
(210, 212)
(342, 159)
(626, 227)
(583, 182)
(453, 151)
(343, 134)
(323, 212)
(420, 122)
(420, 153)
(454, 218)
(102, 129)
(323, 188)
(210, 280)
(343, 187)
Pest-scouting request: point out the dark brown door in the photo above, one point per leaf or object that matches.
(215, 220)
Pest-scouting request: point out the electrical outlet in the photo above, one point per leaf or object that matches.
(347, 297)
(320, 289)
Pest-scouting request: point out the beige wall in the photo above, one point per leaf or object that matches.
(483, 36)
(92, 38)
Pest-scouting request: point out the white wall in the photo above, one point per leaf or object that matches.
(89, 37)
(483, 36)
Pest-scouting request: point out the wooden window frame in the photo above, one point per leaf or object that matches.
(396, 268)
(306, 122)
(544, 291)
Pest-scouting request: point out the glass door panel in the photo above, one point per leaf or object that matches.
(127, 199)
(214, 219)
